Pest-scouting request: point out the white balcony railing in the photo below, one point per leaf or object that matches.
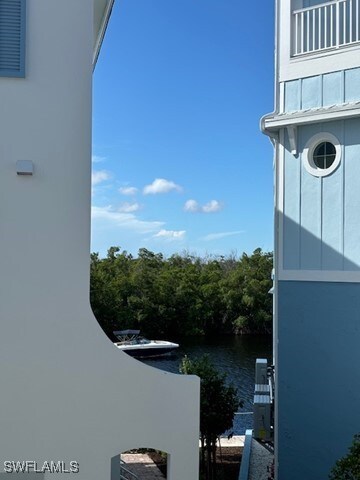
(325, 26)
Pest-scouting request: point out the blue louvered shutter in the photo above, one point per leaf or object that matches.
(12, 38)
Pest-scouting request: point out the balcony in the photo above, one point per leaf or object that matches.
(325, 26)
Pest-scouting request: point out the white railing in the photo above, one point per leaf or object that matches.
(325, 26)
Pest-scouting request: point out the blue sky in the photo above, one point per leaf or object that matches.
(179, 162)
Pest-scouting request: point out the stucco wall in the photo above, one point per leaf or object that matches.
(67, 392)
(318, 376)
(320, 214)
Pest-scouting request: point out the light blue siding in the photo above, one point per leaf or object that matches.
(310, 213)
(311, 93)
(332, 221)
(291, 228)
(333, 89)
(352, 195)
(352, 82)
(292, 96)
(321, 214)
(315, 321)
(322, 90)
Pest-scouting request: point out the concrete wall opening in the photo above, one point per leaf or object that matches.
(140, 464)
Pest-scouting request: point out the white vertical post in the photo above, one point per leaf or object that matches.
(313, 27)
(325, 27)
(320, 30)
(344, 23)
(337, 20)
(308, 31)
(302, 32)
(331, 25)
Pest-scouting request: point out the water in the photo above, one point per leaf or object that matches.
(235, 356)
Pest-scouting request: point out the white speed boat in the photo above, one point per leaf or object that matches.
(132, 343)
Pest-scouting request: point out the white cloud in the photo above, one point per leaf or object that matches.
(124, 220)
(97, 159)
(160, 185)
(218, 236)
(99, 176)
(192, 206)
(171, 234)
(127, 207)
(128, 190)
(210, 207)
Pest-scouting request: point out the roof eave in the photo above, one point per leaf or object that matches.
(271, 124)
(100, 34)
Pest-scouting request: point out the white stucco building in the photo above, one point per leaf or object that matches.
(67, 393)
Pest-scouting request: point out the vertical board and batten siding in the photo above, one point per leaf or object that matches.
(332, 219)
(12, 38)
(352, 195)
(352, 82)
(321, 214)
(333, 88)
(322, 90)
(311, 93)
(310, 214)
(291, 230)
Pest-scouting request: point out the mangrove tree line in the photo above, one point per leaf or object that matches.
(182, 295)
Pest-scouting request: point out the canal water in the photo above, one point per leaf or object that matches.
(235, 356)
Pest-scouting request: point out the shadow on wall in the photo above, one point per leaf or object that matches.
(317, 353)
(319, 224)
(302, 250)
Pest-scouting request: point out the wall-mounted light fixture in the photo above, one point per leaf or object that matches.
(24, 167)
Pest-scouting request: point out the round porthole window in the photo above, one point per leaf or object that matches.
(322, 154)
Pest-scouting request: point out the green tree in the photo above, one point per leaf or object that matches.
(348, 467)
(218, 404)
(247, 294)
(144, 301)
(183, 295)
(213, 305)
(110, 289)
(180, 297)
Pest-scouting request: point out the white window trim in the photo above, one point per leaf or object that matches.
(309, 152)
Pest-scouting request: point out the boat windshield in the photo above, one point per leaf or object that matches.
(133, 340)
